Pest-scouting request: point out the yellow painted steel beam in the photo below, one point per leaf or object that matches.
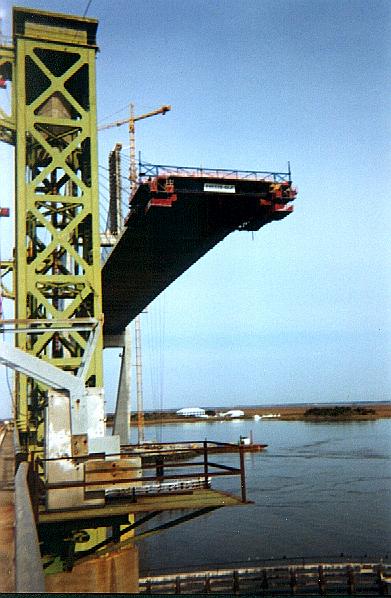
(57, 221)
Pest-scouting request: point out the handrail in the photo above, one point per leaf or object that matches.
(124, 480)
(126, 474)
(29, 571)
(146, 169)
(191, 443)
(130, 453)
(347, 577)
(249, 567)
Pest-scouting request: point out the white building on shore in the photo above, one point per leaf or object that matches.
(233, 413)
(192, 412)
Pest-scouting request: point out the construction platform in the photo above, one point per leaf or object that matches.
(176, 216)
(117, 486)
(197, 499)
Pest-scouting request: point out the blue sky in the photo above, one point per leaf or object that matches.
(300, 312)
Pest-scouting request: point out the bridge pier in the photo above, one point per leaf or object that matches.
(117, 572)
(122, 408)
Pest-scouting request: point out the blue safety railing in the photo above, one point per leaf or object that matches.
(154, 170)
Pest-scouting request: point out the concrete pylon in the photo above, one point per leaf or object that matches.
(122, 408)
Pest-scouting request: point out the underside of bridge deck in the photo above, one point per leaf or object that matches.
(173, 221)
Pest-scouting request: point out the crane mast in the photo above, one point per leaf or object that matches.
(132, 137)
(132, 189)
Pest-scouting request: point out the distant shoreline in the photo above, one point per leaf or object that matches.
(280, 413)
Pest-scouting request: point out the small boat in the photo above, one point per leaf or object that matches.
(249, 446)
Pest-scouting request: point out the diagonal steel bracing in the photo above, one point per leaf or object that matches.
(57, 274)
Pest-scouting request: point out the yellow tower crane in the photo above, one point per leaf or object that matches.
(133, 184)
(132, 137)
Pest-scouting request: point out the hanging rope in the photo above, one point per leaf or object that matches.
(156, 359)
(87, 7)
(105, 199)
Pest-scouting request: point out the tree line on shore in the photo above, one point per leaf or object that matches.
(338, 411)
(326, 412)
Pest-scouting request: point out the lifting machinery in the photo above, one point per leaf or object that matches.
(116, 226)
(132, 137)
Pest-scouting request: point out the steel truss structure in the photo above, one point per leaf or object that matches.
(51, 68)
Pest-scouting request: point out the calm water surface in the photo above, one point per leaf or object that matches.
(319, 489)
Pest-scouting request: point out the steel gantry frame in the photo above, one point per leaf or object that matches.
(57, 256)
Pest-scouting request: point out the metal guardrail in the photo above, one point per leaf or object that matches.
(29, 571)
(349, 578)
(154, 170)
(165, 471)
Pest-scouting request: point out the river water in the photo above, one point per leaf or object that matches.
(319, 489)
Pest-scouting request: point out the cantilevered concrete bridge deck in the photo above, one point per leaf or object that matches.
(177, 217)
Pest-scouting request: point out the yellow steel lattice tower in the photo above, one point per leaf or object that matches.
(57, 255)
